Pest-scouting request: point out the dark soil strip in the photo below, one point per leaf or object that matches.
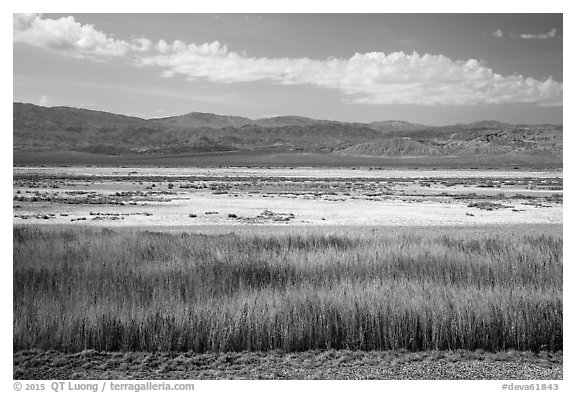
(331, 364)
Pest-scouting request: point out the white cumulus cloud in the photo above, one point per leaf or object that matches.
(498, 33)
(369, 78)
(67, 36)
(366, 78)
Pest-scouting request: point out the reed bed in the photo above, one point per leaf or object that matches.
(80, 288)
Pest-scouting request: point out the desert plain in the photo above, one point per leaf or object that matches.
(287, 273)
(188, 197)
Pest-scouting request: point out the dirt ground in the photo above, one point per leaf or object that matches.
(283, 172)
(121, 197)
(330, 364)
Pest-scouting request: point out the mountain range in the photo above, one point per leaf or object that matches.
(45, 129)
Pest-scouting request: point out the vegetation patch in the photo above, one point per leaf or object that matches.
(85, 289)
(485, 205)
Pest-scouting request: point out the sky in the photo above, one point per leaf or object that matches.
(423, 68)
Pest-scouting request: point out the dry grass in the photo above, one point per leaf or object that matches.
(78, 289)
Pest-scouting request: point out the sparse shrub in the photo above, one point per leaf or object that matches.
(485, 205)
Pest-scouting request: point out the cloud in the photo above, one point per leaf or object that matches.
(527, 36)
(369, 78)
(66, 36)
(542, 36)
(44, 101)
(498, 34)
(364, 78)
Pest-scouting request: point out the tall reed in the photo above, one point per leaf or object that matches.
(77, 289)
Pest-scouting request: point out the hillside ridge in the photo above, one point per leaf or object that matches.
(37, 128)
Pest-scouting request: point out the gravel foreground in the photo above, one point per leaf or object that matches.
(331, 364)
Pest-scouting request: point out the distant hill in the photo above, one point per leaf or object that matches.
(63, 116)
(200, 119)
(486, 125)
(285, 121)
(41, 129)
(392, 148)
(396, 126)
